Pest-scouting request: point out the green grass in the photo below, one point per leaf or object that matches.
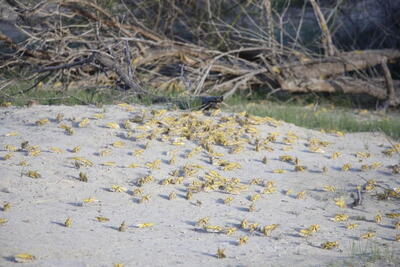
(368, 253)
(371, 252)
(323, 117)
(18, 95)
(56, 96)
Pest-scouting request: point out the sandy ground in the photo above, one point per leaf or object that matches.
(270, 191)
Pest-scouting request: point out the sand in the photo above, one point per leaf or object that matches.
(293, 200)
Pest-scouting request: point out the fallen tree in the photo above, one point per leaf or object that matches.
(77, 40)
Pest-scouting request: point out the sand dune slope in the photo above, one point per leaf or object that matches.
(264, 192)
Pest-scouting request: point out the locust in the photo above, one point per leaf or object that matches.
(68, 222)
(83, 177)
(24, 257)
(221, 253)
(243, 240)
(123, 227)
(6, 206)
(145, 225)
(329, 245)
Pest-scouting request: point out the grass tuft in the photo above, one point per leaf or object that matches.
(325, 117)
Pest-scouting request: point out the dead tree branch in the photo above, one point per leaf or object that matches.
(330, 49)
(80, 41)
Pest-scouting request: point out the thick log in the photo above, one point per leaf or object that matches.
(344, 62)
(344, 85)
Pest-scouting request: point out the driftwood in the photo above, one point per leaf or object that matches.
(102, 43)
(344, 85)
(326, 75)
(344, 62)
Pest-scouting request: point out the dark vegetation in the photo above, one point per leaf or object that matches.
(274, 55)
